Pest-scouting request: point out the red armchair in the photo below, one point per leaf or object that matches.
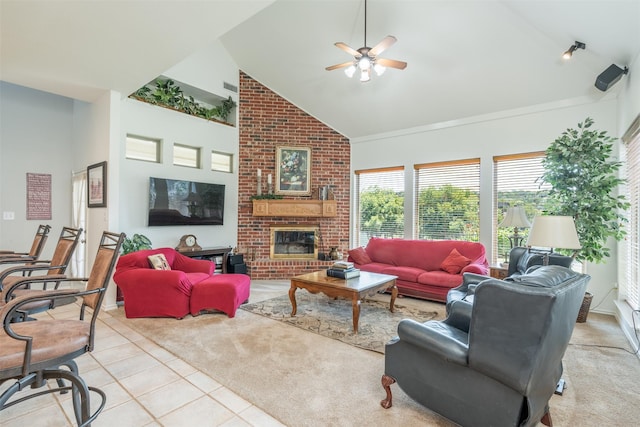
(159, 293)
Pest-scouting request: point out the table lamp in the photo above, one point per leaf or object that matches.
(553, 232)
(516, 218)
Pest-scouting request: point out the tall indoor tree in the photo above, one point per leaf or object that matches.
(584, 183)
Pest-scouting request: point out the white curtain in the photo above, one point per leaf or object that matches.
(79, 214)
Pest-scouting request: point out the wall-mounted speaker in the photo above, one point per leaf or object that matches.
(609, 77)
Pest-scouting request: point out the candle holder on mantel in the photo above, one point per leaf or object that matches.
(259, 192)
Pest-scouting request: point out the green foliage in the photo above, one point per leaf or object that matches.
(266, 196)
(448, 212)
(382, 213)
(168, 94)
(136, 243)
(583, 182)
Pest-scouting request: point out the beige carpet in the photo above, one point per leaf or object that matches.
(333, 318)
(305, 379)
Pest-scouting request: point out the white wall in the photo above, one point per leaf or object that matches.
(521, 131)
(206, 70)
(35, 137)
(156, 122)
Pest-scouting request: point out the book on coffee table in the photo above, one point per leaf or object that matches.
(342, 265)
(349, 273)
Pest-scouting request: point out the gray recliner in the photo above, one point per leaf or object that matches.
(494, 362)
(521, 259)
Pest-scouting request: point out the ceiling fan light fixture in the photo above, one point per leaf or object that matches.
(367, 58)
(364, 63)
(350, 70)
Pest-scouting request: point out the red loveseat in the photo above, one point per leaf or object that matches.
(425, 268)
(189, 286)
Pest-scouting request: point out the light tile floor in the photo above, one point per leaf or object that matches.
(145, 384)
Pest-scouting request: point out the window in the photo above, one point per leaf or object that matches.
(222, 162)
(447, 200)
(631, 287)
(516, 180)
(184, 155)
(141, 148)
(380, 204)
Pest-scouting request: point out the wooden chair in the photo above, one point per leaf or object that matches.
(31, 353)
(36, 247)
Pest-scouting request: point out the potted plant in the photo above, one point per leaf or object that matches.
(584, 180)
(136, 243)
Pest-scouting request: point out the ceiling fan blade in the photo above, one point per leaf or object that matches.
(335, 67)
(384, 44)
(349, 50)
(391, 63)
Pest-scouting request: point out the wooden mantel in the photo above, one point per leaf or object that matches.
(300, 208)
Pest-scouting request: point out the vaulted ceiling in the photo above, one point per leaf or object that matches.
(465, 58)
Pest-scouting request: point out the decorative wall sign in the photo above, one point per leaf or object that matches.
(293, 171)
(38, 196)
(97, 185)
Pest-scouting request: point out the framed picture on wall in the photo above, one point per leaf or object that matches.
(97, 185)
(293, 171)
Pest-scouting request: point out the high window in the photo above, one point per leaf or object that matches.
(447, 200)
(141, 148)
(184, 155)
(380, 204)
(516, 183)
(222, 162)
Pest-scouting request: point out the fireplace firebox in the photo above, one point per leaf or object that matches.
(294, 242)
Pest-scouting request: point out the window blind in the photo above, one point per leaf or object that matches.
(632, 287)
(380, 204)
(447, 200)
(516, 180)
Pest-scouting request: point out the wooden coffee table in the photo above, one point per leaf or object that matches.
(355, 289)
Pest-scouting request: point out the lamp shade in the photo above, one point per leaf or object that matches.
(515, 217)
(554, 232)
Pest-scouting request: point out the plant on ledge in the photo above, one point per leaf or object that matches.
(168, 94)
(583, 183)
(266, 196)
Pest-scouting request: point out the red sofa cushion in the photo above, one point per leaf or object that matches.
(360, 256)
(454, 262)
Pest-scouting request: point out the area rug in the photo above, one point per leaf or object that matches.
(333, 318)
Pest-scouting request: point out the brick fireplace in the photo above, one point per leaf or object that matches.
(267, 121)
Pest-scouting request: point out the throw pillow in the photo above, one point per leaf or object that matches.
(360, 256)
(159, 262)
(454, 262)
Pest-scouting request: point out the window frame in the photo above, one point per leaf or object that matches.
(229, 156)
(158, 148)
(472, 162)
(357, 241)
(197, 161)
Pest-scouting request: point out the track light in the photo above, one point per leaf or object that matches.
(569, 53)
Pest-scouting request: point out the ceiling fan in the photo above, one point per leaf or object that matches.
(366, 58)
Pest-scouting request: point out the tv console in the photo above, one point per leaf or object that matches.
(212, 254)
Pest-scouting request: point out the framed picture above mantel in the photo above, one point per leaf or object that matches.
(293, 171)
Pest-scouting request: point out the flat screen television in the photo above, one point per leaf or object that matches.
(174, 202)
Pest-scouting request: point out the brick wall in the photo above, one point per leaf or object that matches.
(266, 121)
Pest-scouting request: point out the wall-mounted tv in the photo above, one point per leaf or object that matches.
(173, 202)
